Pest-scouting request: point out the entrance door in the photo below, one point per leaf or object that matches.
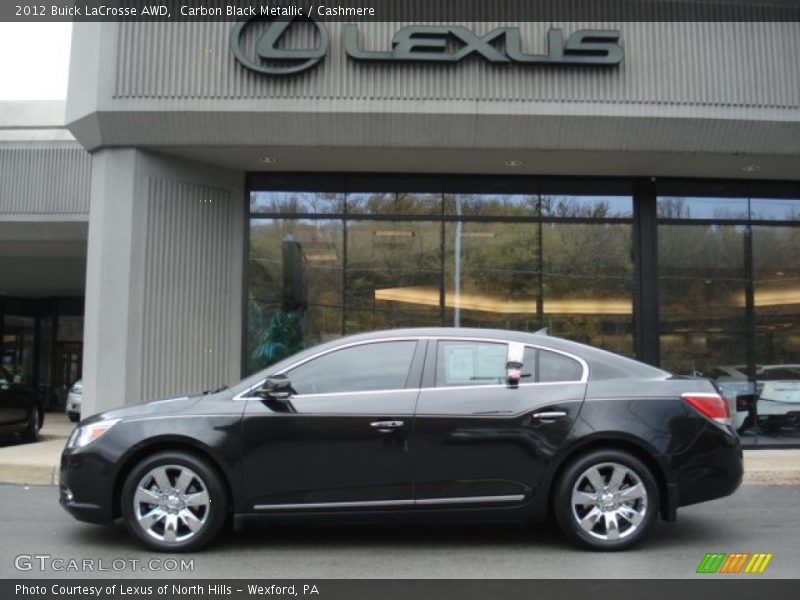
(69, 356)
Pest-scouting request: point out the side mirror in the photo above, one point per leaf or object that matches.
(277, 387)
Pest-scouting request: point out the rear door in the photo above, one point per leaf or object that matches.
(481, 441)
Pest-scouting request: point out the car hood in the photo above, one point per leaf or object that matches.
(164, 405)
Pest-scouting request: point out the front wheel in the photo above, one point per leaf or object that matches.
(606, 500)
(174, 502)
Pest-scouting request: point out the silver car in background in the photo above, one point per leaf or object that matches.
(74, 398)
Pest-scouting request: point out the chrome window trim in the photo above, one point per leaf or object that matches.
(584, 376)
(390, 503)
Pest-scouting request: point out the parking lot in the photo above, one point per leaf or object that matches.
(757, 518)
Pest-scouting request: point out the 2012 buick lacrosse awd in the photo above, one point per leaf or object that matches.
(417, 424)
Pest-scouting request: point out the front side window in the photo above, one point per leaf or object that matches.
(367, 367)
(470, 363)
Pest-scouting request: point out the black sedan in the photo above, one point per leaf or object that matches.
(21, 408)
(416, 424)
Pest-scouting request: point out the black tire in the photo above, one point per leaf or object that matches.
(205, 478)
(74, 417)
(569, 516)
(31, 432)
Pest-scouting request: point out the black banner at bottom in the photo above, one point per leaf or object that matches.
(391, 589)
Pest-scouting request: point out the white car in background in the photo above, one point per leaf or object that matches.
(779, 397)
(776, 394)
(74, 398)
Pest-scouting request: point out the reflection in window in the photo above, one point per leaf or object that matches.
(393, 274)
(586, 207)
(720, 209)
(295, 287)
(588, 283)
(702, 287)
(774, 209)
(296, 202)
(394, 203)
(492, 275)
(776, 274)
(492, 205)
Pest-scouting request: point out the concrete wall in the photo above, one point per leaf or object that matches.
(163, 292)
(715, 87)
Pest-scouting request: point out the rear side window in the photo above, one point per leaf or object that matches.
(363, 368)
(470, 363)
(542, 366)
(557, 367)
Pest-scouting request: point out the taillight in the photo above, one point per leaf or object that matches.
(714, 406)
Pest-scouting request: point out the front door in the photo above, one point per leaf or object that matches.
(480, 441)
(342, 439)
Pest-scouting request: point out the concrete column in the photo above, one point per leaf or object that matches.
(164, 276)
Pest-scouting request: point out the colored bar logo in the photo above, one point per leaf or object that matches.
(736, 562)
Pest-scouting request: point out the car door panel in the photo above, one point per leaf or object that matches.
(492, 440)
(330, 450)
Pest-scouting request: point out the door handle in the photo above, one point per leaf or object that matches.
(386, 426)
(549, 415)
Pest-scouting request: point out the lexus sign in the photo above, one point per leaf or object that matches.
(422, 43)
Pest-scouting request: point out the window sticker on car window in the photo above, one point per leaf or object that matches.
(460, 364)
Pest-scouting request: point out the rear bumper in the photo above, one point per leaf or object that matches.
(713, 467)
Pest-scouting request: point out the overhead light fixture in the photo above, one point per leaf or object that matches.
(268, 160)
(751, 168)
(513, 163)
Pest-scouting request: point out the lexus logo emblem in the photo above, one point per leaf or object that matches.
(279, 61)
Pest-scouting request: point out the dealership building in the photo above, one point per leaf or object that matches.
(212, 196)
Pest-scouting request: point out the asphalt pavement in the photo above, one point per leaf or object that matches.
(757, 518)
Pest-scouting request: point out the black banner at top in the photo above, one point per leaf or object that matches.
(402, 10)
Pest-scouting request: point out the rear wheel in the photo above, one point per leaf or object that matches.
(174, 501)
(606, 500)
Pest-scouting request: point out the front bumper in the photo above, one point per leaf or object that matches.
(86, 489)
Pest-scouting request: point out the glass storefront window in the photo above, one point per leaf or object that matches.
(295, 289)
(393, 274)
(588, 283)
(776, 279)
(587, 207)
(393, 203)
(492, 205)
(702, 291)
(492, 275)
(315, 203)
(687, 207)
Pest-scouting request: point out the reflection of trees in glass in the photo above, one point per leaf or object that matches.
(776, 273)
(321, 244)
(492, 205)
(588, 283)
(296, 202)
(702, 285)
(394, 203)
(383, 255)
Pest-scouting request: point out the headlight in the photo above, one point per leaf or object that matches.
(86, 434)
(76, 389)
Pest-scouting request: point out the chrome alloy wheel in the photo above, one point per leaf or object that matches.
(609, 501)
(171, 503)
